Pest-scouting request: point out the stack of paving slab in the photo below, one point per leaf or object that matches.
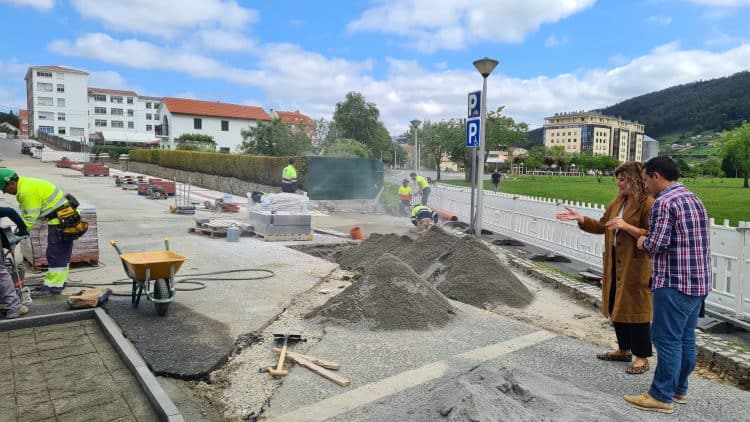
(85, 249)
(282, 216)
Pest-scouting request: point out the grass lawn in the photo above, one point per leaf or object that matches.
(723, 199)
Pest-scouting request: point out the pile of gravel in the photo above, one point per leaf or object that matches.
(390, 296)
(460, 267)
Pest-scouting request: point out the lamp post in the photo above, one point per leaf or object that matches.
(485, 66)
(415, 125)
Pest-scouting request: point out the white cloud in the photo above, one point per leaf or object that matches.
(721, 3)
(12, 86)
(659, 20)
(555, 41)
(107, 79)
(43, 5)
(221, 40)
(430, 25)
(166, 18)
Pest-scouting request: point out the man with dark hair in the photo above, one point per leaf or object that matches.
(423, 186)
(289, 178)
(678, 242)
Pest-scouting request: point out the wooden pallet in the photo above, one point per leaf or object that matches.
(284, 237)
(41, 264)
(215, 232)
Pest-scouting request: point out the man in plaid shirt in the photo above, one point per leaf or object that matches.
(678, 242)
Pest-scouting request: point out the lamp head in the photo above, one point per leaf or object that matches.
(485, 66)
(415, 123)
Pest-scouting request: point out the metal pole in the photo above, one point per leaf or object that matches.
(473, 187)
(480, 160)
(416, 148)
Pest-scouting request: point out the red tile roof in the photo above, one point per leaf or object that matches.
(294, 118)
(112, 92)
(214, 109)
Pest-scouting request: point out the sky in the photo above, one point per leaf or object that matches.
(412, 58)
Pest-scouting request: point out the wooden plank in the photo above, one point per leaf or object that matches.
(324, 363)
(325, 373)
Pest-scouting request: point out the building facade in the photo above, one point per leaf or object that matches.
(224, 122)
(594, 133)
(650, 148)
(297, 122)
(23, 123)
(57, 102)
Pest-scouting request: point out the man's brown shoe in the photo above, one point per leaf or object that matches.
(679, 398)
(646, 402)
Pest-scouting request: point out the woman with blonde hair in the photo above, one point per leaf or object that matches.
(626, 296)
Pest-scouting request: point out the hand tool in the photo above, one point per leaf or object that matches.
(279, 371)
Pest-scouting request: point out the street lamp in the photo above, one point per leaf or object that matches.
(485, 66)
(415, 125)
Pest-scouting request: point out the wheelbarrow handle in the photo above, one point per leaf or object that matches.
(117, 248)
(166, 243)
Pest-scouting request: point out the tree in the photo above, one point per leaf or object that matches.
(346, 148)
(355, 118)
(735, 146)
(274, 139)
(711, 167)
(438, 140)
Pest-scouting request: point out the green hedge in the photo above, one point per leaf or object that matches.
(251, 168)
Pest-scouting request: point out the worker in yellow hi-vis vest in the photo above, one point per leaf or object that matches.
(423, 186)
(289, 178)
(404, 196)
(39, 199)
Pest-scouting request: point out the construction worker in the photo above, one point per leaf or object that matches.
(422, 215)
(289, 178)
(13, 306)
(38, 199)
(404, 195)
(423, 186)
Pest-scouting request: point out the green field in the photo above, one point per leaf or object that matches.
(723, 198)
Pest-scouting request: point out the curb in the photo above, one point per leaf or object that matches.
(714, 352)
(163, 405)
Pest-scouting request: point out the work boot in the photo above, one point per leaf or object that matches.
(646, 402)
(680, 398)
(23, 309)
(46, 291)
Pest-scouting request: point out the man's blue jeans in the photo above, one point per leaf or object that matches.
(673, 335)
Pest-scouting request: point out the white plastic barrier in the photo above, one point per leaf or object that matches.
(532, 220)
(78, 157)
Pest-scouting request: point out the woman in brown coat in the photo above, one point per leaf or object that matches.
(626, 297)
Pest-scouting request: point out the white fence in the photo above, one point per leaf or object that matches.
(532, 220)
(78, 157)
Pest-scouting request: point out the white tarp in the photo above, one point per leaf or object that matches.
(77, 157)
(128, 137)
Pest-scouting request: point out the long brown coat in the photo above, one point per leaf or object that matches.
(633, 300)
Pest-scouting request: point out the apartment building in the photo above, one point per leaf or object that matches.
(148, 115)
(224, 122)
(297, 122)
(595, 133)
(57, 102)
(112, 111)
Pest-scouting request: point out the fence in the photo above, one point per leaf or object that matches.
(335, 178)
(532, 220)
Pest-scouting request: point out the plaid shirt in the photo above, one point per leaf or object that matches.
(679, 242)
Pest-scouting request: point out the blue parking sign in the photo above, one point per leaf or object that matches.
(475, 104)
(472, 132)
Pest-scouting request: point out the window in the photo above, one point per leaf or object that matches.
(40, 86)
(76, 131)
(100, 97)
(100, 123)
(156, 116)
(61, 131)
(148, 116)
(61, 116)
(115, 99)
(61, 102)
(130, 100)
(130, 113)
(156, 106)
(197, 123)
(100, 110)
(149, 127)
(148, 105)
(131, 125)
(225, 125)
(46, 115)
(60, 88)
(43, 74)
(45, 101)
(117, 123)
(116, 111)
(46, 129)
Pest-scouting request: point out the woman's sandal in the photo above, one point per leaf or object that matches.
(637, 370)
(611, 357)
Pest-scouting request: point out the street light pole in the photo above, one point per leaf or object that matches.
(415, 125)
(485, 66)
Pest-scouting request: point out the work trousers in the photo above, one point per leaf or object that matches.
(58, 258)
(673, 332)
(425, 195)
(8, 290)
(289, 186)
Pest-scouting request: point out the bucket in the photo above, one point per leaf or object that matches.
(356, 233)
(227, 198)
(233, 234)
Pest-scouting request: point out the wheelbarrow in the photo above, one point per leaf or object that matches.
(157, 266)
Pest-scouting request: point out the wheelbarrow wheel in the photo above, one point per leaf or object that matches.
(161, 291)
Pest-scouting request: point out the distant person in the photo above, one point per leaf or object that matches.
(404, 196)
(423, 186)
(289, 178)
(626, 298)
(13, 306)
(681, 279)
(495, 180)
(422, 215)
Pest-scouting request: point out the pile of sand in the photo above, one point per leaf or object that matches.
(390, 296)
(462, 268)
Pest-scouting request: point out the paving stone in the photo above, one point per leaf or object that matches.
(27, 359)
(58, 327)
(6, 386)
(63, 387)
(22, 345)
(29, 377)
(99, 412)
(141, 407)
(31, 397)
(90, 363)
(26, 332)
(60, 343)
(59, 334)
(82, 401)
(36, 412)
(7, 405)
(68, 351)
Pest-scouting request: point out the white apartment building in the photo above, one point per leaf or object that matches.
(115, 112)
(57, 102)
(224, 122)
(148, 115)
